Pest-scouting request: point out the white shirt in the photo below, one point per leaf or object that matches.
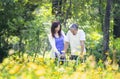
(74, 41)
(52, 43)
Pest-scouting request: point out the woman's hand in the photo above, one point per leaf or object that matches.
(62, 55)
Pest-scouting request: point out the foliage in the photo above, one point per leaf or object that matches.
(18, 21)
(13, 16)
(24, 24)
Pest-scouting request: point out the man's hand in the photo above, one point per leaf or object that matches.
(82, 46)
(66, 44)
(81, 55)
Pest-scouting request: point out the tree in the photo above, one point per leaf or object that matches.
(106, 29)
(116, 29)
(62, 10)
(13, 16)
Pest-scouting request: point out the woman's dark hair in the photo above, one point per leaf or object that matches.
(55, 25)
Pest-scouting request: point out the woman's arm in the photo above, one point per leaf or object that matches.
(52, 43)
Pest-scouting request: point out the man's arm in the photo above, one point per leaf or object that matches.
(82, 44)
(66, 41)
(66, 44)
(82, 41)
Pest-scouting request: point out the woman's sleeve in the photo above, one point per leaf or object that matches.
(52, 43)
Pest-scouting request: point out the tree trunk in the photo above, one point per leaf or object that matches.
(106, 29)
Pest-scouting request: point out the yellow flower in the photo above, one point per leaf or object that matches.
(60, 62)
(15, 69)
(68, 68)
(99, 69)
(40, 72)
(41, 59)
(117, 76)
(5, 61)
(52, 61)
(109, 68)
(32, 65)
(56, 73)
(115, 67)
(23, 76)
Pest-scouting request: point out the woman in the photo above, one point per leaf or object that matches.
(56, 39)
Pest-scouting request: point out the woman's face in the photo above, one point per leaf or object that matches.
(57, 28)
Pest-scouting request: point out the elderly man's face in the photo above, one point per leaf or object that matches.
(74, 31)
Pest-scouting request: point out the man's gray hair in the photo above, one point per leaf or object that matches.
(73, 26)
